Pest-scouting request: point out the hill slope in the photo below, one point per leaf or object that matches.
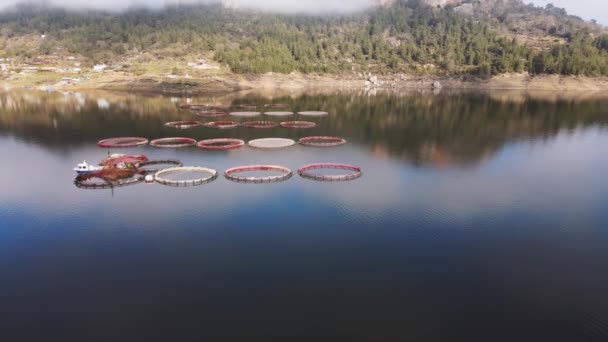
(480, 37)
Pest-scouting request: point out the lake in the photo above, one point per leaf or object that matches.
(479, 217)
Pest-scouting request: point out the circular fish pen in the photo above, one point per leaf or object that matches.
(194, 107)
(143, 166)
(183, 124)
(245, 114)
(209, 176)
(313, 113)
(322, 141)
(220, 144)
(86, 184)
(248, 106)
(298, 124)
(222, 124)
(280, 114)
(219, 107)
(306, 172)
(210, 114)
(260, 124)
(276, 105)
(284, 174)
(271, 143)
(178, 142)
(124, 142)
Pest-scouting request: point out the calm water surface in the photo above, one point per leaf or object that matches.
(479, 218)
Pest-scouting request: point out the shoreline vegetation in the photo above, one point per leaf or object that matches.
(398, 44)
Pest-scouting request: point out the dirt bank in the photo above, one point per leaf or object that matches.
(221, 84)
(295, 82)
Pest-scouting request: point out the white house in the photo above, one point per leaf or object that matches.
(99, 67)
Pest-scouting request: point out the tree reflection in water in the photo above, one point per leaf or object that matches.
(422, 128)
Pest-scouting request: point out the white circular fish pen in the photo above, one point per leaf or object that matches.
(307, 172)
(271, 143)
(209, 176)
(245, 114)
(284, 174)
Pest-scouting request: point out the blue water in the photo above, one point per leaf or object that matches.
(477, 218)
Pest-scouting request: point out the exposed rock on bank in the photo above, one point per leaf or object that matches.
(174, 87)
(229, 83)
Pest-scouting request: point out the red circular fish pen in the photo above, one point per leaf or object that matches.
(260, 124)
(276, 105)
(298, 124)
(178, 142)
(220, 144)
(222, 124)
(122, 142)
(322, 141)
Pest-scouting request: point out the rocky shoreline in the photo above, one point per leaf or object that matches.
(321, 82)
(223, 84)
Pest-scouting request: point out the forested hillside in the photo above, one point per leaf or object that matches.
(409, 36)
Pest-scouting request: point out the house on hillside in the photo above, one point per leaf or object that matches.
(70, 80)
(99, 67)
(203, 64)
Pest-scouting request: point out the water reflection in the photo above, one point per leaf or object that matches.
(424, 129)
(478, 218)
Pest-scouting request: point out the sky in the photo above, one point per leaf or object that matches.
(588, 9)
